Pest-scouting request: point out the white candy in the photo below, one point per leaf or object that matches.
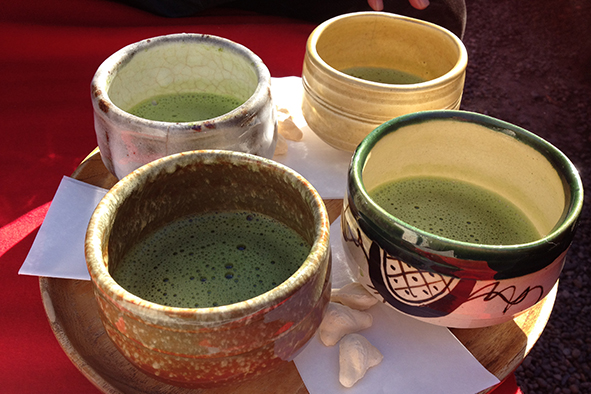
(281, 147)
(341, 320)
(354, 296)
(356, 356)
(287, 127)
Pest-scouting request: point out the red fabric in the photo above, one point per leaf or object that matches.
(49, 52)
(508, 386)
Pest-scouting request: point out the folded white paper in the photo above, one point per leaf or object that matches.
(58, 248)
(418, 357)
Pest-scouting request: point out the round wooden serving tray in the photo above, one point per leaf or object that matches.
(74, 319)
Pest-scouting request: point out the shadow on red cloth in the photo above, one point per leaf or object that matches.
(49, 52)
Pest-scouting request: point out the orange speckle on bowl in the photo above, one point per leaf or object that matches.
(121, 325)
(284, 328)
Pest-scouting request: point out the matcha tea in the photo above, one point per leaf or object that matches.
(455, 210)
(212, 259)
(383, 75)
(185, 107)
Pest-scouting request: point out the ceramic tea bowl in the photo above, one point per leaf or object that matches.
(215, 345)
(424, 65)
(437, 278)
(179, 64)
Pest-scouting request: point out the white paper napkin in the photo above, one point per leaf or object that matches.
(58, 248)
(418, 357)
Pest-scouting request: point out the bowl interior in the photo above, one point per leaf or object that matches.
(496, 156)
(201, 182)
(388, 41)
(181, 64)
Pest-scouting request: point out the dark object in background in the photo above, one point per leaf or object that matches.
(450, 14)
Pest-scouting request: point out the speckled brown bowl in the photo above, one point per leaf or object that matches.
(205, 347)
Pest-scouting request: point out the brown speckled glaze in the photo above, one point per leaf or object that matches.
(205, 347)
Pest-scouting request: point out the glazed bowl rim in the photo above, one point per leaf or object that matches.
(99, 228)
(104, 75)
(456, 71)
(570, 174)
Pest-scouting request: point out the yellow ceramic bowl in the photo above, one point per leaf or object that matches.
(342, 109)
(209, 346)
(181, 64)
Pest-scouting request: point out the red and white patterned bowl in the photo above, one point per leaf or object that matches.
(445, 281)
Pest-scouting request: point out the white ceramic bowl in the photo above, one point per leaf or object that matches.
(173, 64)
(446, 281)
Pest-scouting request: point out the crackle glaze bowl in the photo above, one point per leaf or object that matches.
(215, 345)
(438, 279)
(416, 66)
(181, 64)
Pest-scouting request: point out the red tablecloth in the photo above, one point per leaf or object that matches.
(49, 52)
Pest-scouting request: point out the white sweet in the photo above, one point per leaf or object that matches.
(281, 147)
(341, 320)
(287, 127)
(354, 296)
(356, 356)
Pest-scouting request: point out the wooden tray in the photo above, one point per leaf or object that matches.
(74, 319)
